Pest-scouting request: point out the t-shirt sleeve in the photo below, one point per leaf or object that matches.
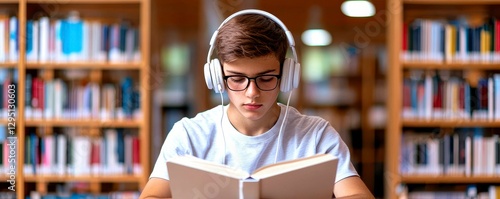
(334, 145)
(174, 145)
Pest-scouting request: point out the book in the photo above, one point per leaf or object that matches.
(309, 177)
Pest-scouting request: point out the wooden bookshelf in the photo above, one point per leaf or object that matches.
(89, 1)
(85, 65)
(8, 65)
(86, 123)
(83, 178)
(451, 66)
(450, 123)
(137, 12)
(95, 182)
(450, 179)
(400, 12)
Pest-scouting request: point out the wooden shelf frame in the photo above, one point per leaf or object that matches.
(450, 123)
(8, 65)
(93, 180)
(85, 123)
(142, 67)
(449, 179)
(451, 66)
(83, 178)
(85, 65)
(396, 68)
(86, 1)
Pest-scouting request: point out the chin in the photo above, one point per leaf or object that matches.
(253, 116)
(257, 114)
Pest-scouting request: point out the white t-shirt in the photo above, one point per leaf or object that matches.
(203, 137)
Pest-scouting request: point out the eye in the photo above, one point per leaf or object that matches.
(266, 78)
(238, 79)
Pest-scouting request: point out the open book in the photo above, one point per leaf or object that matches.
(309, 177)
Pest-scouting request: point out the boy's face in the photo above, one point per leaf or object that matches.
(253, 103)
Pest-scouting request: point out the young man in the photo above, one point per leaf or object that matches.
(253, 130)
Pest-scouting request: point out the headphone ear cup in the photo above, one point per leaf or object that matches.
(208, 75)
(296, 75)
(287, 75)
(216, 74)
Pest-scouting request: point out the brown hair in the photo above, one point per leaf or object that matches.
(251, 36)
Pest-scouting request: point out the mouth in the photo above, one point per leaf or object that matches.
(252, 106)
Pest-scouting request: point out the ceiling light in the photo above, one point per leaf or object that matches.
(358, 8)
(316, 37)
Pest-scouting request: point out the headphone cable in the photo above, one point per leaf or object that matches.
(279, 133)
(281, 128)
(221, 125)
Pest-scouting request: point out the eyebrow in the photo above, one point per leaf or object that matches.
(261, 73)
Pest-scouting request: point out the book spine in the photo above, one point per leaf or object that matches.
(3, 43)
(44, 24)
(249, 189)
(13, 36)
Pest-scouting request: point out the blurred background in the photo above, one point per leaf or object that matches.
(99, 84)
(343, 68)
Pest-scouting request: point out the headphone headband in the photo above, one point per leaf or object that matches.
(289, 35)
(290, 67)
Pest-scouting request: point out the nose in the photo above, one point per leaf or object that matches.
(252, 91)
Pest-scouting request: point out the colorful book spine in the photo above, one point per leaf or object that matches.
(453, 41)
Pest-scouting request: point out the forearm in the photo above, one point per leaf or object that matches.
(358, 196)
(352, 187)
(153, 197)
(156, 188)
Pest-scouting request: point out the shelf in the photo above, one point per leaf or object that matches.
(448, 123)
(397, 143)
(84, 123)
(84, 1)
(460, 179)
(451, 66)
(137, 14)
(85, 65)
(452, 2)
(8, 64)
(83, 178)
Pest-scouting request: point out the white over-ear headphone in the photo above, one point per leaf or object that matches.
(291, 67)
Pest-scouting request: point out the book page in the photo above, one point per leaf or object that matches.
(312, 177)
(212, 167)
(290, 165)
(189, 182)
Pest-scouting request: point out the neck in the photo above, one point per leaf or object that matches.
(253, 127)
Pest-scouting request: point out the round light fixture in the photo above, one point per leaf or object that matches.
(316, 37)
(358, 8)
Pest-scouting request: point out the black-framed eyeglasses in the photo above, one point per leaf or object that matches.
(241, 82)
